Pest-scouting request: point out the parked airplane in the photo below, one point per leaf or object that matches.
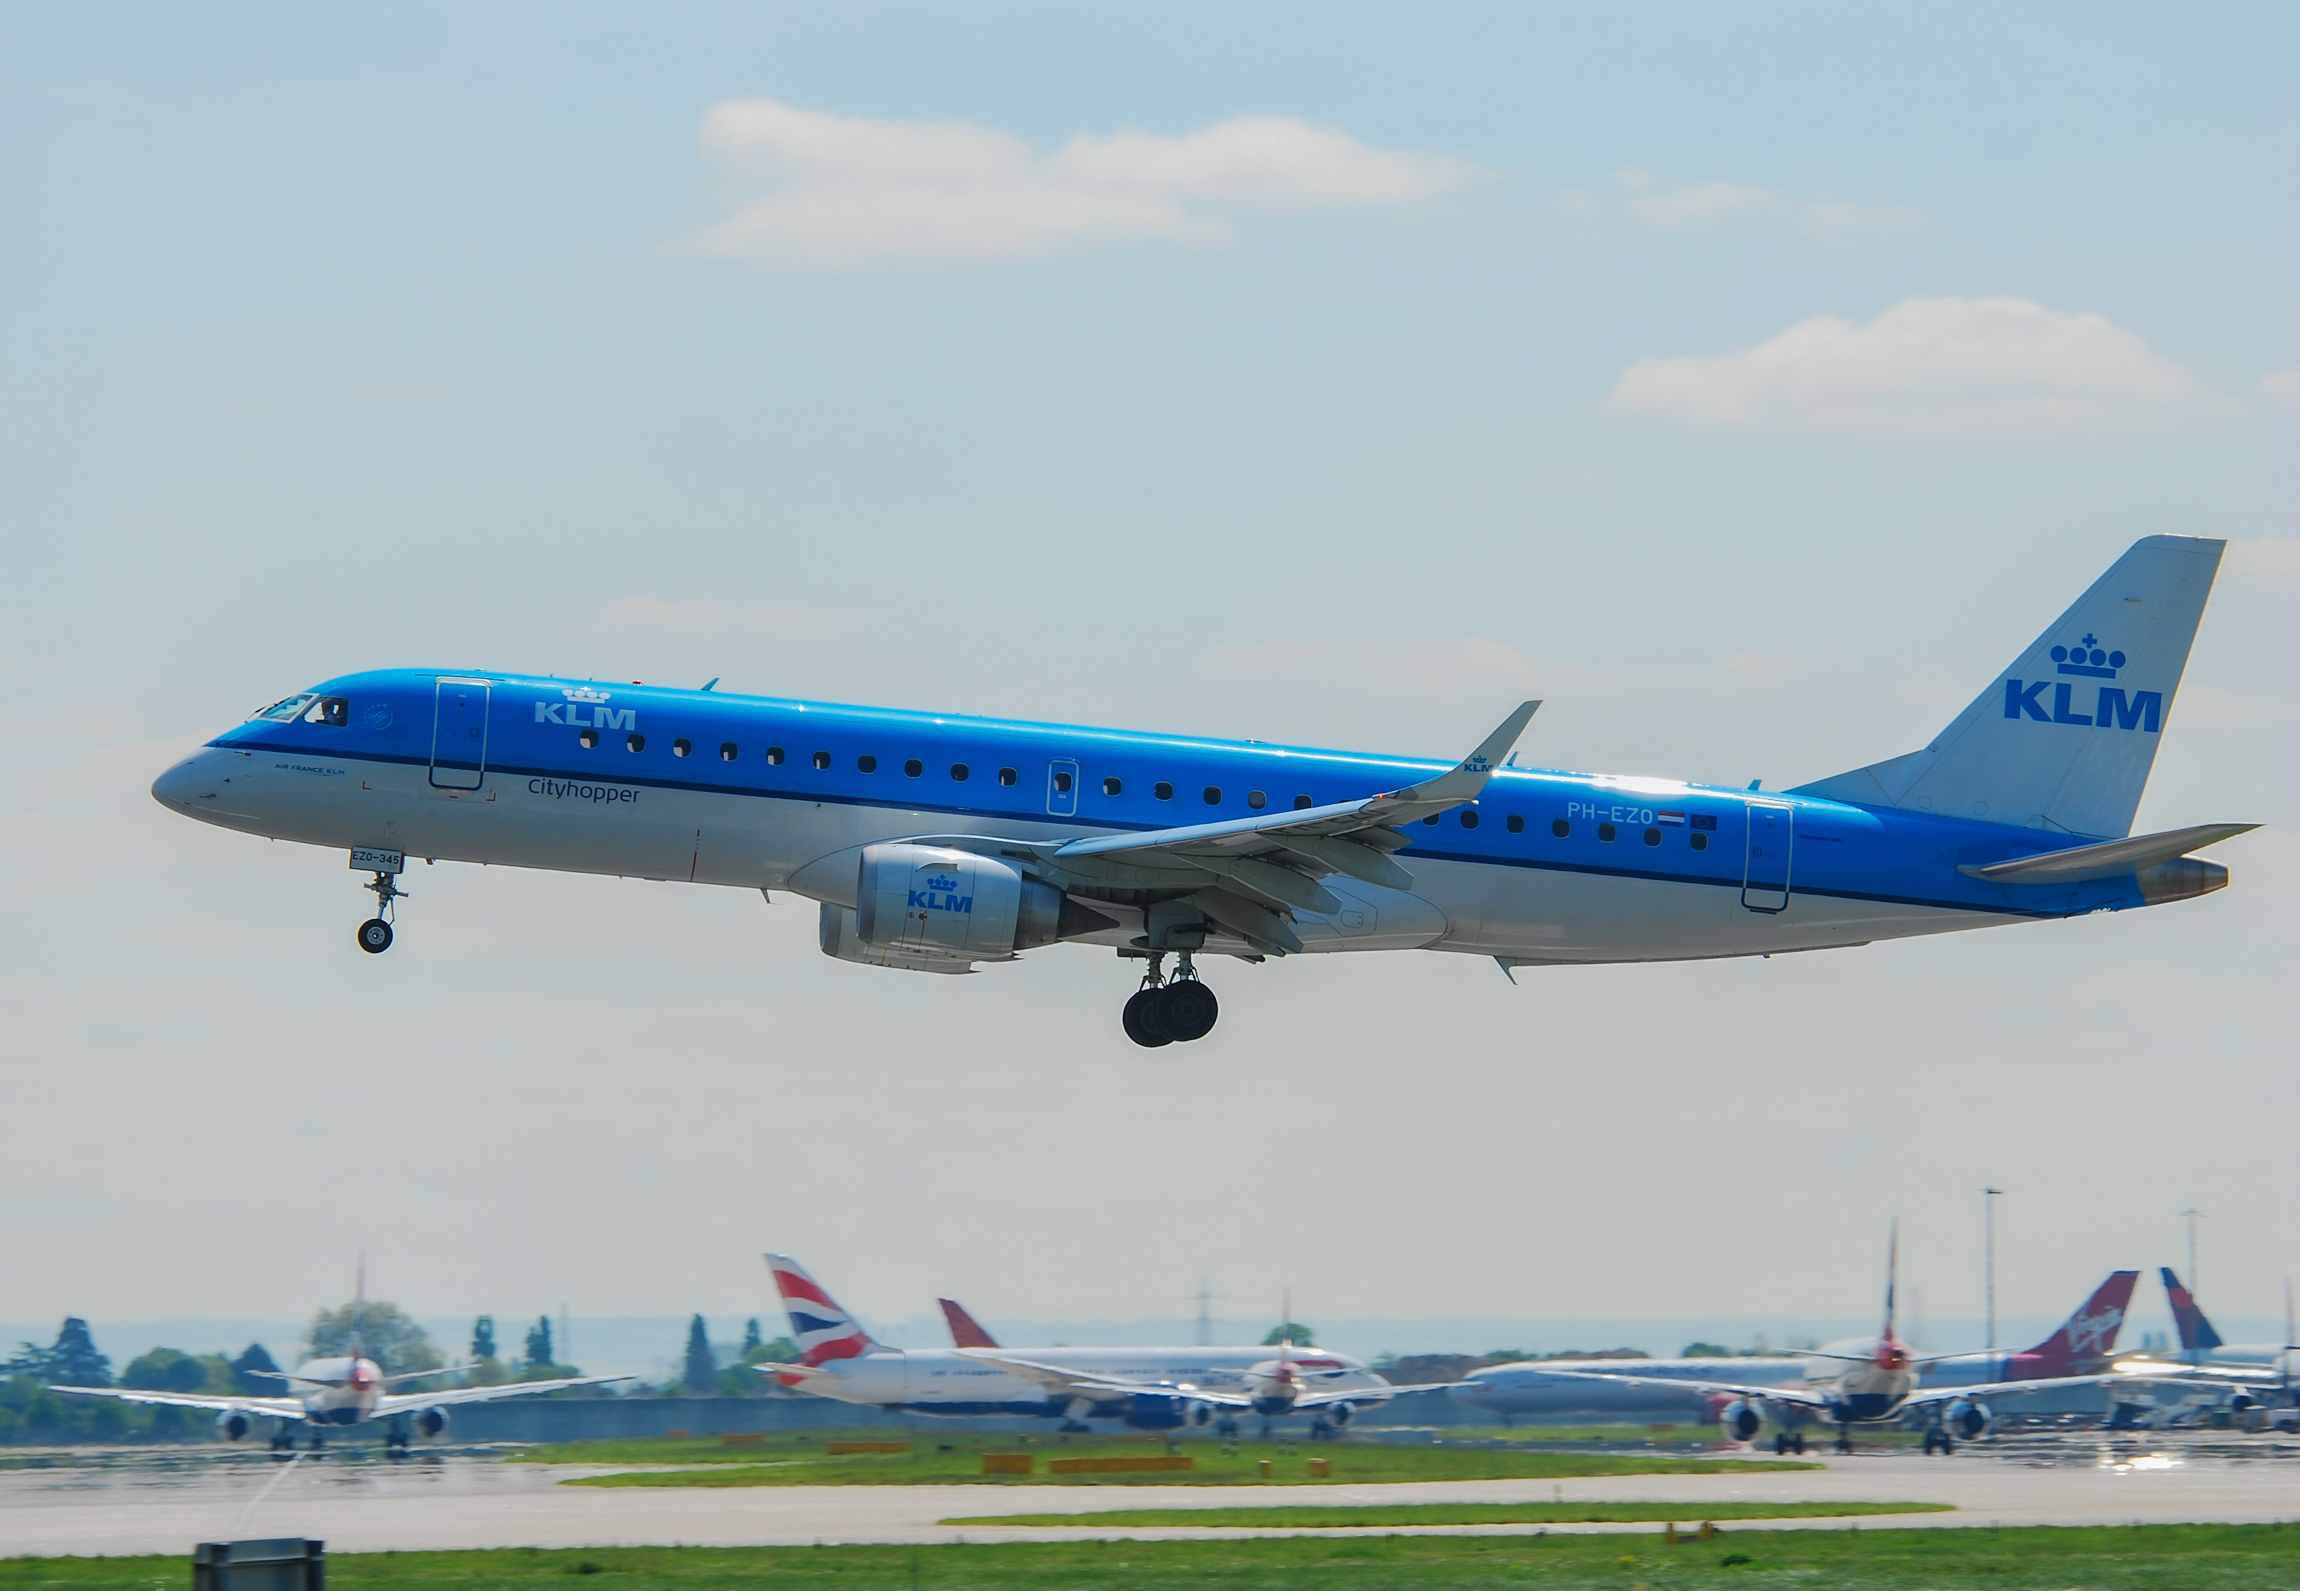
(343, 1390)
(935, 843)
(1154, 1389)
(1879, 1381)
(2242, 1374)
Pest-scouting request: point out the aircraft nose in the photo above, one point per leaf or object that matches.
(182, 786)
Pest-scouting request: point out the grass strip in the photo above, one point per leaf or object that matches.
(1374, 1516)
(2044, 1558)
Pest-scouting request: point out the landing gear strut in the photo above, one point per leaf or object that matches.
(375, 933)
(1175, 1010)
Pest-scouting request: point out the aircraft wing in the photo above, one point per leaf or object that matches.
(1315, 1400)
(2173, 1375)
(278, 1408)
(409, 1402)
(1246, 871)
(1797, 1395)
(1061, 1382)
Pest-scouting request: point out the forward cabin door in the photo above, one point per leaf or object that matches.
(459, 734)
(1765, 869)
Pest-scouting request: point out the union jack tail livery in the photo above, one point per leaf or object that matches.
(2085, 1340)
(2196, 1333)
(819, 1326)
(965, 1330)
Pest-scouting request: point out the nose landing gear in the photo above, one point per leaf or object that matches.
(1177, 1010)
(375, 933)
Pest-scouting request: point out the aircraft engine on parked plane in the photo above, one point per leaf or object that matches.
(1198, 1414)
(1339, 1414)
(1742, 1420)
(233, 1424)
(431, 1421)
(1969, 1418)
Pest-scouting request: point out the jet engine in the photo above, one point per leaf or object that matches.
(930, 900)
(2241, 1401)
(1969, 1418)
(1198, 1414)
(233, 1424)
(431, 1421)
(1742, 1420)
(1339, 1414)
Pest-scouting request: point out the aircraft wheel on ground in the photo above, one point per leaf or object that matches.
(1798, 1445)
(1187, 1010)
(1780, 1443)
(1141, 1020)
(1948, 1444)
(1931, 1441)
(375, 936)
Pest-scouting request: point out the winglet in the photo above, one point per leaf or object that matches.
(1468, 779)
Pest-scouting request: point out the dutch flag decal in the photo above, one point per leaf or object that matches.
(1677, 818)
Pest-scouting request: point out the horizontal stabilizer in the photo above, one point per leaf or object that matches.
(2110, 859)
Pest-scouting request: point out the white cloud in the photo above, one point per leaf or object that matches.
(1698, 205)
(1928, 367)
(843, 191)
(2282, 389)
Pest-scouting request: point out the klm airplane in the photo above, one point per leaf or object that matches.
(937, 843)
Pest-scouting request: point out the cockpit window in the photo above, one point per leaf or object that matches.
(288, 711)
(335, 710)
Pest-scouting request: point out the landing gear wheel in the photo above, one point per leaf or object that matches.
(1780, 1443)
(375, 936)
(1932, 1441)
(1797, 1443)
(1948, 1444)
(1187, 1010)
(1141, 1020)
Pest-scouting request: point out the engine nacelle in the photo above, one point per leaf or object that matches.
(1742, 1420)
(2241, 1401)
(930, 900)
(1156, 1411)
(1969, 1418)
(1339, 1414)
(233, 1424)
(431, 1421)
(836, 933)
(1198, 1414)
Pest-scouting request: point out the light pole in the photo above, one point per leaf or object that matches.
(2192, 1213)
(1989, 1197)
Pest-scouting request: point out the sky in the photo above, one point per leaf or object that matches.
(1748, 385)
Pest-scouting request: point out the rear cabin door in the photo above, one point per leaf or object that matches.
(459, 734)
(1765, 871)
(1062, 787)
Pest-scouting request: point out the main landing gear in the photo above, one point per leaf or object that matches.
(1173, 1010)
(1937, 1439)
(1788, 1442)
(375, 933)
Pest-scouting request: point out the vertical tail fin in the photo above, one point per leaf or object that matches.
(2085, 1340)
(2065, 738)
(2196, 1333)
(819, 1326)
(965, 1332)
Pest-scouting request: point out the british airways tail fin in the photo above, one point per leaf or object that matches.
(2196, 1333)
(2085, 1340)
(965, 1330)
(819, 1326)
(2064, 739)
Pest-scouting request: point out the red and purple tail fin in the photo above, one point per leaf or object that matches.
(2085, 1340)
(819, 1326)
(2196, 1333)
(965, 1330)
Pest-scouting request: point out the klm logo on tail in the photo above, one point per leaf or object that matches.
(2112, 706)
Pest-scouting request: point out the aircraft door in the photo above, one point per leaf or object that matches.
(1765, 869)
(459, 734)
(1062, 787)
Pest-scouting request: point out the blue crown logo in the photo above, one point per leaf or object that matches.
(949, 886)
(2087, 658)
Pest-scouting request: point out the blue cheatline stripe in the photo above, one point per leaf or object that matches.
(996, 814)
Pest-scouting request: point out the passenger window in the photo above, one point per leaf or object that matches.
(1605, 832)
(822, 759)
(1652, 836)
(1469, 817)
(774, 756)
(1700, 841)
(914, 767)
(1561, 828)
(588, 739)
(1213, 795)
(681, 746)
(728, 751)
(1257, 800)
(1303, 803)
(958, 772)
(1516, 824)
(1007, 776)
(1111, 786)
(634, 742)
(867, 763)
(1062, 780)
(1162, 790)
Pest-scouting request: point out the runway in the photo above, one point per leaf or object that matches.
(141, 1504)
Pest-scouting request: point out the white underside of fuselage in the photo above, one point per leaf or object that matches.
(1523, 915)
